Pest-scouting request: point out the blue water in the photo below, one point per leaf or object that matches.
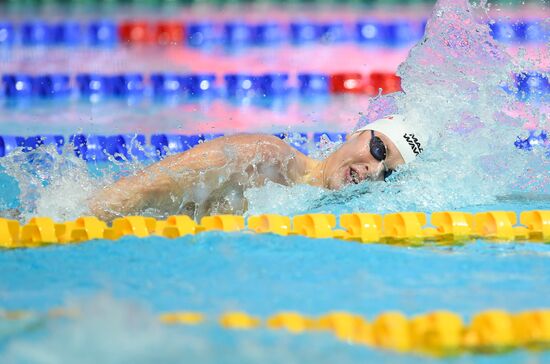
(213, 272)
(120, 286)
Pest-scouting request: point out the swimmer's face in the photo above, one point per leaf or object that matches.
(354, 163)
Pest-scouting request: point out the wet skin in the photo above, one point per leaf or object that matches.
(212, 177)
(353, 162)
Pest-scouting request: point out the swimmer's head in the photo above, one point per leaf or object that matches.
(373, 152)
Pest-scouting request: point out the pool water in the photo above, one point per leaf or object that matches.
(120, 286)
(453, 83)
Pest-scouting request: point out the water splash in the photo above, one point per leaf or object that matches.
(50, 184)
(105, 330)
(454, 81)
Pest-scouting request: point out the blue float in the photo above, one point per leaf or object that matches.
(90, 148)
(127, 84)
(167, 84)
(167, 144)
(126, 147)
(507, 32)
(304, 32)
(334, 32)
(33, 142)
(92, 84)
(532, 86)
(189, 141)
(401, 33)
(313, 84)
(201, 34)
(103, 33)
(274, 84)
(333, 137)
(241, 85)
(210, 136)
(200, 84)
(532, 31)
(266, 34)
(54, 85)
(10, 143)
(36, 33)
(298, 141)
(136, 145)
(17, 85)
(67, 33)
(238, 34)
(371, 32)
(7, 34)
(533, 140)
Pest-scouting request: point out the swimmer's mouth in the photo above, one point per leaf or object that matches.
(354, 176)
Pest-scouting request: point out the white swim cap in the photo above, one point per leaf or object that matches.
(409, 141)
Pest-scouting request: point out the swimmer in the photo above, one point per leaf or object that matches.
(211, 177)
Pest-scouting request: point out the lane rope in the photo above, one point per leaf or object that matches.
(407, 228)
(437, 333)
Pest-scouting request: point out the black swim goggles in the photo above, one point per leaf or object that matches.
(379, 151)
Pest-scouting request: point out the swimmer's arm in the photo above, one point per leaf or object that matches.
(162, 184)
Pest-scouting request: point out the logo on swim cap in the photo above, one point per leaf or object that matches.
(407, 137)
(414, 143)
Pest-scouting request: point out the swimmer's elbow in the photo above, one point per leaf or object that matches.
(130, 197)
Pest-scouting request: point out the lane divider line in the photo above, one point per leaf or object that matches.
(438, 333)
(408, 228)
